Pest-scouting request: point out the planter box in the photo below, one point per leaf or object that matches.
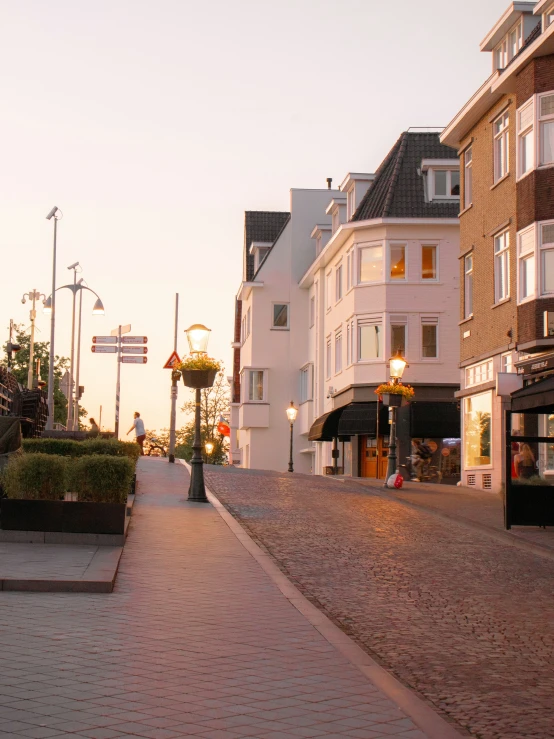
(62, 516)
(199, 379)
(392, 401)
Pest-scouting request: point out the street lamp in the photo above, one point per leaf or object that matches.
(197, 337)
(397, 366)
(292, 412)
(33, 296)
(209, 447)
(56, 214)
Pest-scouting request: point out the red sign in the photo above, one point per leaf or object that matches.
(99, 349)
(172, 361)
(134, 360)
(134, 339)
(134, 349)
(104, 339)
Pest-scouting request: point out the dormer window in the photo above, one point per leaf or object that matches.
(350, 203)
(508, 47)
(443, 178)
(259, 250)
(548, 17)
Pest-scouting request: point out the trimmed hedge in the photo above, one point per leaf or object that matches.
(36, 477)
(101, 479)
(72, 448)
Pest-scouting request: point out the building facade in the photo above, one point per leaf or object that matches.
(505, 139)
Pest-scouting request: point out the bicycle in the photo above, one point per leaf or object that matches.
(429, 472)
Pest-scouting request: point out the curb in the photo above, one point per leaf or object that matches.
(433, 725)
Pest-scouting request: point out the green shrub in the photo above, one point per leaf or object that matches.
(72, 448)
(102, 479)
(112, 447)
(36, 477)
(63, 447)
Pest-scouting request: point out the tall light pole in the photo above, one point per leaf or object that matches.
(33, 296)
(175, 375)
(197, 337)
(397, 366)
(76, 267)
(292, 412)
(56, 214)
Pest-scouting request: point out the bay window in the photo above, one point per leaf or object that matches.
(349, 343)
(397, 254)
(370, 340)
(525, 139)
(370, 264)
(501, 266)
(349, 269)
(398, 335)
(547, 257)
(501, 131)
(477, 430)
(256, 386)
(526, 264)
(546, 128)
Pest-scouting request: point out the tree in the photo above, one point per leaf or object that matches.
(20, 368)
(214, 403)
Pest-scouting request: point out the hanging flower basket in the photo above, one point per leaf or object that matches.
(198, 371)
(395, 395)
(391, 400)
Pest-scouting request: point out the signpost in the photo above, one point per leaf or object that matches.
(171, 362)
(121, 345)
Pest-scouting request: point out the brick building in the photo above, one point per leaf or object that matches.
(505, 139)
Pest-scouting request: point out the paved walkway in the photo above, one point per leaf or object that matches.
(195, 641)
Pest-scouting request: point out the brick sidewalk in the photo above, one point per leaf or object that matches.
(196, 640)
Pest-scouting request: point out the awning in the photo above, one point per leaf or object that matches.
(360, 419)
(535, 398)
(326, 427)
(435, 420)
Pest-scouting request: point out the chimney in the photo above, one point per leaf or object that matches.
(329, 182)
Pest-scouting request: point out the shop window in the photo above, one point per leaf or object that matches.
(477, 430)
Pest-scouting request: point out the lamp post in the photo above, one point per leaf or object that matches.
(56, 214)
(197, 337)
(292, 412)
(33, 296)
(397, 366)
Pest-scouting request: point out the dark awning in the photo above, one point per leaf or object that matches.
(535, 398)
(326, 427)
(435, 420)
(360, 419)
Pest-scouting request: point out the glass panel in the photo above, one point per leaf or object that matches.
(526, 117)
(468, 295)
(371, 264)
(397, 262)
(527, 277)
(527, 152)
(338, 353)
(280, 316)
(369, 341)
(548, 271)
(429, 262)
(548, 234)
(398, 339)
(455, 182)
(256, 385)
(440, 183)
(547, 142)
(477, 430)
(429, 340)
(547, 105)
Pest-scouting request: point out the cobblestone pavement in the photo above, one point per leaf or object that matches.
(195, 641)
(455, 613)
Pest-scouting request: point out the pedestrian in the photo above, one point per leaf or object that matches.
(94, 430)
(138, 425)
(524, 462)
(421, 455)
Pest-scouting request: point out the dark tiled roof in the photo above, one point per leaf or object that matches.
(398, 191)
(260, 225)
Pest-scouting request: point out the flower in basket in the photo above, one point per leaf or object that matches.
(387, 388)
(198, 362)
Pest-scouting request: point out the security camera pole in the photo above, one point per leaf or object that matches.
(33, 296)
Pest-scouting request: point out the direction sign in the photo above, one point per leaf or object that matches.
(99, 349)
(172, 361)
(134, 360)
(124, 330)
(134, 349)
(134, 339)
(104, 339)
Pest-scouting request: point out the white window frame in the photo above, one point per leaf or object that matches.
(468, 177)
(335, 220)
(390, 246)
(483, 466)
(501, 146)
(246, 384)
(468, 279)
(338, 283)
(431, 182)
(328, 357)
(328, 299)
(479, 374)
(501, 266)
(349, 269)
(379, 245)
(548, 17)
(395, 320)
(541, 121)
(374, 322)
(543, 247)
(525, 252)
(507, 362)
(273, 326)
(430, 321)
(525, 129)
(312, 311)
(429, 245)
(505, 51)
(248, 321)
(350, 202)
(350, 355)
(306, 390)
(338, 352)
(243, 330)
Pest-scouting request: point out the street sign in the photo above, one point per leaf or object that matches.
(98, 349)
(134, 360)
(104, 339)
(134, 349)
(134, 339)
(124, 330)
(172, 361)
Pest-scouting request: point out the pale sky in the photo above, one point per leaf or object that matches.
(153, 126)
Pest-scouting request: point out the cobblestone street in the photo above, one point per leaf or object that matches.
(454, 612)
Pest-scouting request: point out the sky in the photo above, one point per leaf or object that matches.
(153, 126)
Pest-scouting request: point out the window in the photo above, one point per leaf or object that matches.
(507, 362)
(548, 19)
(256, 386)
(477, 430)
(444, 184)
(547, 257)
(243, 330)
(328, 291)
(479, 373)
(335, 220)
(248, 321)
(428, 262)
(526, 266)
(261, 253)
(525, 139)
(398, 338)
(397, 262)
(468, 286)
(508, 47)
(338, 283)
(280, 315)
(501, 266)
(501, 141)
(349, 269)
(546, 128)
(429, 338)
(350, 203)
(338, 352)
(370, 341)
(468, 177)
(312, 311)
(306, 383)
(501, 55)
(371, 264)
(349, 343)
(328, 358)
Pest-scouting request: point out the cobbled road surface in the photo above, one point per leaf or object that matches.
(465, 620)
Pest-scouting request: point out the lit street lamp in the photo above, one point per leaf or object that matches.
(292, 412)
(197, 337)
(209, 447)
(397, 366)
(33, 296)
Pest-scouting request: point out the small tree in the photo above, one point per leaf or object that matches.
(214, 403)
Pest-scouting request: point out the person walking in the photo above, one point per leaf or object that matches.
(138, 425)
(94, 430)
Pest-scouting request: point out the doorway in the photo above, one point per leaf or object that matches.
(374, 457)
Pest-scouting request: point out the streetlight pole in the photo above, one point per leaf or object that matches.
(174, 389)
(70, 400)
(397, 366)
(34, 295)
(56, 214)
(197, 337)
(291, 415)
(77, 373)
